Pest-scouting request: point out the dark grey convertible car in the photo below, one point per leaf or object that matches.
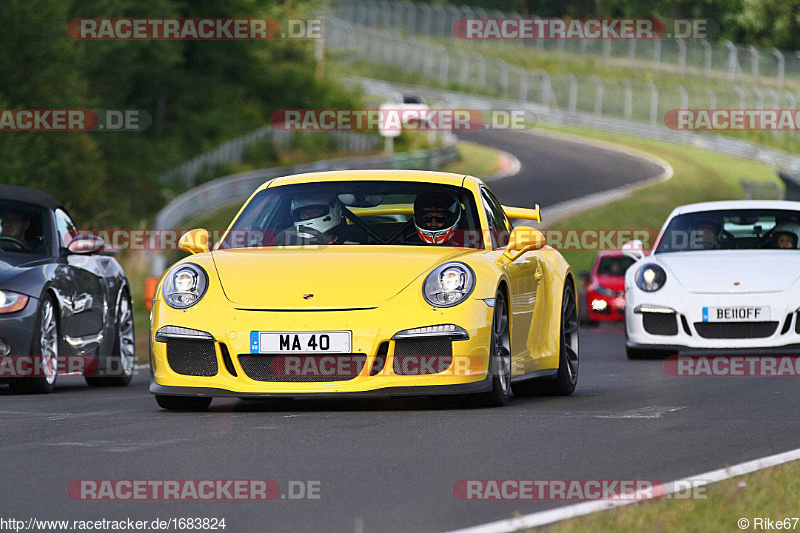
(65, 307)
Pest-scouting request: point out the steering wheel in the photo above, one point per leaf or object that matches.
(728, 238)
(20, 245)
(767, 239)
(301, 235)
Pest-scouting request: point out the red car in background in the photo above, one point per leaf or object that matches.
(603, 291)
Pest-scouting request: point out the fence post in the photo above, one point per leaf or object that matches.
(684, 97)
(545, 89)
(712, 98)
(742, 96)
(632, 51)
(598, 95)
(606, 50)
(627, 109)
(444, 66)
(759, 98)
(706, 58)
(656, 55)
(753, 61)
(464, 72)
(503, 66)
(573, 94)
(681, 57)
(653, 102)
(781, 66)
(733, 61)
(523, 84)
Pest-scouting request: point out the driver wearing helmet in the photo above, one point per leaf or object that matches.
(786, 235)
(436, 217)
(318, 217)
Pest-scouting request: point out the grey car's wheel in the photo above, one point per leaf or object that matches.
(118, 369)
(499, 356)
(183, 403)
(44, 350)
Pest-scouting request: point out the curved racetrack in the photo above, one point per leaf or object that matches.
(390, 465)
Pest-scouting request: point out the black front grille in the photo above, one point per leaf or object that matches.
(660, 323)
(414, 357)
(192, 358)
(735, 330)
(302, 368)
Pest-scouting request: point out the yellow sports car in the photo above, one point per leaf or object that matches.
(369, 283)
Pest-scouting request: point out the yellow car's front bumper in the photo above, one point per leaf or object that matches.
(372, 332)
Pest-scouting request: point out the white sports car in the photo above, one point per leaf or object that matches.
(721, 275)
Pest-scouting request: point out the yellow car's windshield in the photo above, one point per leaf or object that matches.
(358, 212)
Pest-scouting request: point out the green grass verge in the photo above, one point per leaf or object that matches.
(770, 493)
(699, 176)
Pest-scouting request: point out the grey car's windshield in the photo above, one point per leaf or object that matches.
(732, 229)
(23, 228)
(358, 212)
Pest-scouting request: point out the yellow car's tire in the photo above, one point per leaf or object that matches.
(499, 357)
(565, 380)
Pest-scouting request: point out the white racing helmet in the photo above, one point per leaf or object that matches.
(792, 228)
(321, 212)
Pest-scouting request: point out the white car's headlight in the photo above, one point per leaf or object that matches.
(650, 277)
(448, 285)
(185, 285)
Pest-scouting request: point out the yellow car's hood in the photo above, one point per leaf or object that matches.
(336, 277)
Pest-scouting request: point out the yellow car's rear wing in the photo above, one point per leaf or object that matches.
(523, 213)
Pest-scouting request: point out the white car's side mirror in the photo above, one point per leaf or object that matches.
(633, 249)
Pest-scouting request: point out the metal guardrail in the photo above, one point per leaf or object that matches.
(234, 150)
(711, 142)
(237, 188)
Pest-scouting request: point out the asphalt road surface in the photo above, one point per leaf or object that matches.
(387, 465)
(555, 170)
(390, 465)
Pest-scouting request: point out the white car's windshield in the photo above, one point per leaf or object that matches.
(732, 229)
(358, 212)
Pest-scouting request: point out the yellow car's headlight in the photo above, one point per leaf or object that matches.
(185, 285)
(448, 284)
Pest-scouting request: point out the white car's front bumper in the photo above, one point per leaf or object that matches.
(669, 320)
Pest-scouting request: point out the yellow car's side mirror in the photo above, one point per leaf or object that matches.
(523, 239)
(194, 241)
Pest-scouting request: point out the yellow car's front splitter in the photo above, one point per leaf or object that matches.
(385, 358)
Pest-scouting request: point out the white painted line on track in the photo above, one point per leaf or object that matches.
(552, 516)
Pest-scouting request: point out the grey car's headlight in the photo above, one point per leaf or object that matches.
(448, 285)
(185, 285)
(650, 277)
